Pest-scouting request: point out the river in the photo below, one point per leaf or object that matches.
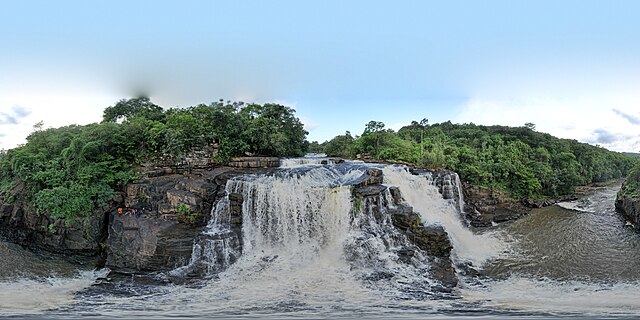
(569, 260)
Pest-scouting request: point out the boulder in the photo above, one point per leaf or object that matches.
(370, 177)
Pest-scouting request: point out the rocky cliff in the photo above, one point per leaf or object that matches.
(20, 223)
(162, 217)
(628, 203)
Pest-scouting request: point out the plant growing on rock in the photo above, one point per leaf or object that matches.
(185, 214)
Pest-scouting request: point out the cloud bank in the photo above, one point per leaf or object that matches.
(631, 118)
(14, 115)
(589, 120)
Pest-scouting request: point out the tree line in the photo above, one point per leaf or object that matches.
(519, 161)
(70, 171)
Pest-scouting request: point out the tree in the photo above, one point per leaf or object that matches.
(340, 146)
(135, 107)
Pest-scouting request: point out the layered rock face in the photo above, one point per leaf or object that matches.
(631, 211)
(433, 240)
(255, 162)
(161, 217)
(19, 223)
(483, 209)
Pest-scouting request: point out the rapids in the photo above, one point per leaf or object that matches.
(308, 248)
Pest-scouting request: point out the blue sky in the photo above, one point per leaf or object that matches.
(571, 67)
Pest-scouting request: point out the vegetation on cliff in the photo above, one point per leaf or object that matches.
(513, 160)
(631, 188)
(70, 171)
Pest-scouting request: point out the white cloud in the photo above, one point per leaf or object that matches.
(309, 125)
(591, 120)
(398, 125)
(54, 109)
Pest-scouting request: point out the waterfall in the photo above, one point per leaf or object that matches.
(284, 214)
(421, 192)
(298, 162)
(309, 159)
(322, 221)
(458, 183)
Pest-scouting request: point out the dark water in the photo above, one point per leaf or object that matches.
(589, 243)
(554, 262)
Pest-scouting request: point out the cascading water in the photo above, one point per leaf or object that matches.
(420, 191)
(294, 213)
(309, 159)
(300, 216)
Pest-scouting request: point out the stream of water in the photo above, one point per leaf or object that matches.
(307, 253)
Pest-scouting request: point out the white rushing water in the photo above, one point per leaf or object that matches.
(421, 193)
(524, 294)
(309, 159)
(306, 243)
(294, 227)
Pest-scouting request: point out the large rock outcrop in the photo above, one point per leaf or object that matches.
(20, 223)
(161, 218)
(628, 204)
(484, 208)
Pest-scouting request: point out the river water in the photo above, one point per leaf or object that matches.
(570, 260)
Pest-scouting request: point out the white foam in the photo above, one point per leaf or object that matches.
(544, 295)
(37, 295)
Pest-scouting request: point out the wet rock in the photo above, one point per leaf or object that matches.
(395, 194)
(369, 190)
(432, 239)
(235, 208)
(548, 202)
(370, 177)
(254, 162)
(405, 254)
(148, 243)
(379, 275)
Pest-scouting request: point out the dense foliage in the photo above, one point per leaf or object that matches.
(519, 160)
(70, 171)
(631, 187)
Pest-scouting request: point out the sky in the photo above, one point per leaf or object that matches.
(570, 67)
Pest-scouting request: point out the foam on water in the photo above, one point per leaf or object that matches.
(22, 295)
(519, 293)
